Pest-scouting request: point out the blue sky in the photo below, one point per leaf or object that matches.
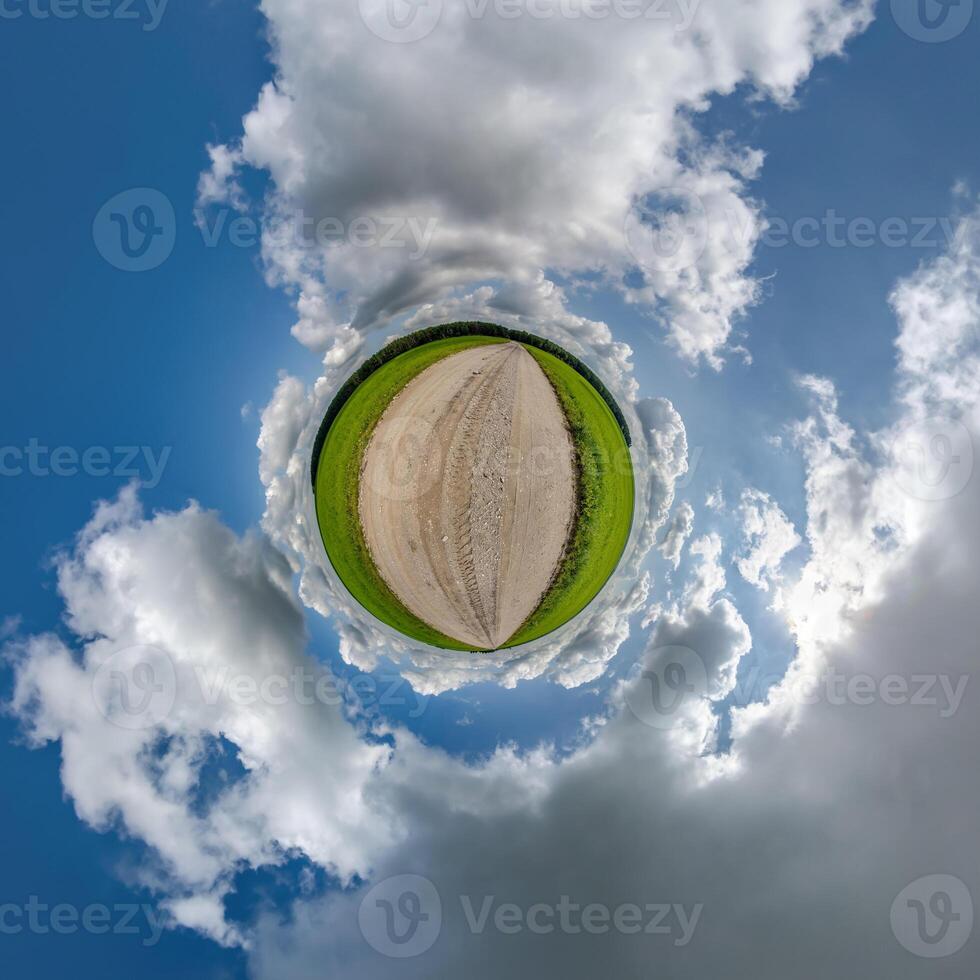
(169, 358)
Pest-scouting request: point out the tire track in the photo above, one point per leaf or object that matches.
(462, 473)
(473, 545)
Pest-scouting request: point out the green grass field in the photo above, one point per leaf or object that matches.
(338, 483)
(605, 502)
(604, 493)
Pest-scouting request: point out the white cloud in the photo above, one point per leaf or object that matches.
(797, 843)
(939, 308)
(218, 185)
(825, 812)
(819, 818)
(212, 607)
(768, 536)
(871, 499)
(282, 422)
(708, 577)
(356, 132)
(525, 145)
(801, 835)
(675, 536)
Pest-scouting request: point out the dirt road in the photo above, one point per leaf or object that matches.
(468, 493)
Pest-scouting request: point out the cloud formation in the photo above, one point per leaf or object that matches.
(571, 148)
(792, 847)
(789, 847)
(408, 199)
(768, 536)
(676, 534)
(177, 610)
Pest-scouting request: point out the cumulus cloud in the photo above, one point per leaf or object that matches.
(872, 497)
(794, 848)
(177, 610)
(570, 148)
(939, 308)
(708, 577)
(790, 847)
(680, 528)
(768, 536)
(218, 184)
(399, 198)
(833, 801)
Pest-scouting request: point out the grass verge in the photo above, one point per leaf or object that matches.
(338, 484)
(605, 493)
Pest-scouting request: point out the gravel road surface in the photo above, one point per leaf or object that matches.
(467, 493)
